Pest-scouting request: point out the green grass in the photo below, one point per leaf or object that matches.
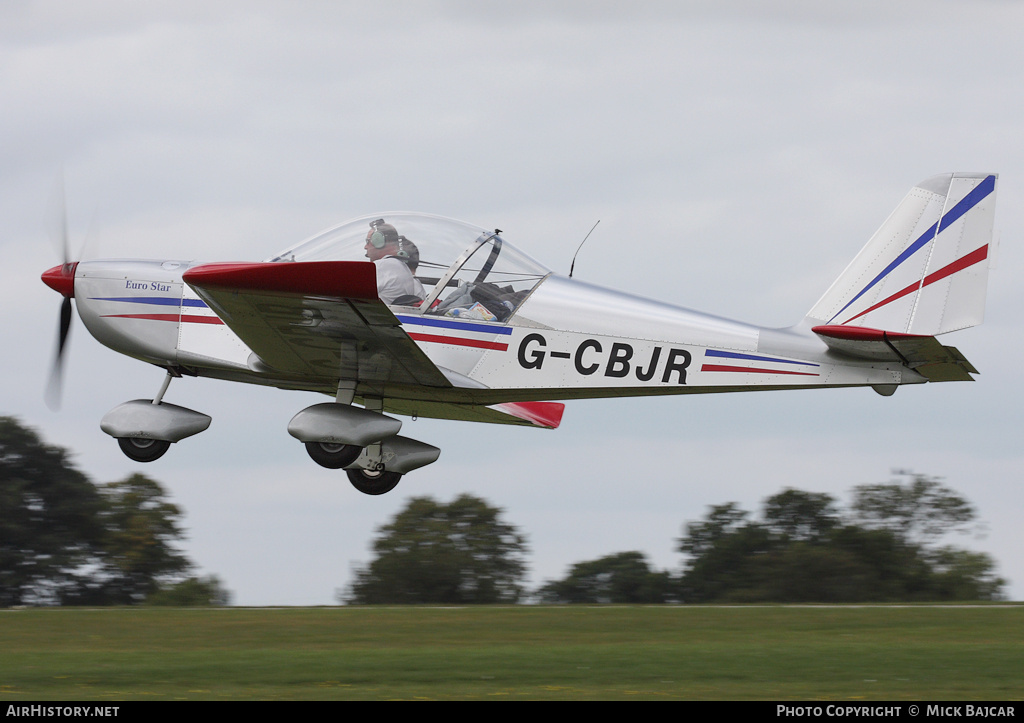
(775, 653)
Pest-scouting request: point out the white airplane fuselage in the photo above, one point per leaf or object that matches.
(566, 341)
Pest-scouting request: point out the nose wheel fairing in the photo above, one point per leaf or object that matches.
(143, 419)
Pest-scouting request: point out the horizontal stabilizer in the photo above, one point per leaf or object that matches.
(924, 354)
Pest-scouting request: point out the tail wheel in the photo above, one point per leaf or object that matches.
(333, 456)
(371, 482)
(143, 450)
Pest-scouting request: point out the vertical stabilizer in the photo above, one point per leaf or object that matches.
(925, 270)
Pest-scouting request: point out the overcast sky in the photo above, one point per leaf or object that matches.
(738, 155)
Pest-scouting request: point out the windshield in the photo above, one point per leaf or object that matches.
(458, 270)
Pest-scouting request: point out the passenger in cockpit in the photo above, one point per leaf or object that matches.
(385, 248)
(409, 253)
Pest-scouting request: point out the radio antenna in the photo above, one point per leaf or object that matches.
(573, 264)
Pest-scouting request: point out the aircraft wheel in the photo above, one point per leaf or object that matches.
(143, 450)
(373, 483)
(333, 456)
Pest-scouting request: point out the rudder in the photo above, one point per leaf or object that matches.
(925, 271)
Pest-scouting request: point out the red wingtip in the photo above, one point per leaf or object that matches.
(349, 279)
(543, 414)
(62, 279)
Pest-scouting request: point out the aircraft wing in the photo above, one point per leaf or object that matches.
(924, 354)
(321, 320)
(324, 321)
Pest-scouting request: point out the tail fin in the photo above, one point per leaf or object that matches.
(925, 271)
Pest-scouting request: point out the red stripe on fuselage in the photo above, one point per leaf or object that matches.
(476, 343)
(752, 370)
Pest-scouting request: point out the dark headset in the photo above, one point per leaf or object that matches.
(383, 234)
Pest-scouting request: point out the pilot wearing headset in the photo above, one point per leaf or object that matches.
(385, 248)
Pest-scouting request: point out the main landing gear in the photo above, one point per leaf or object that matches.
(371, 482)
(362, 441)
(333, 456)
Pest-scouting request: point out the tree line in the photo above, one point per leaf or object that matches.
(65, 540)
(886, 547)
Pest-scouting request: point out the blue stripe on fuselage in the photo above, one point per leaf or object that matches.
(451, 324)
(155, 300)
(752, 357)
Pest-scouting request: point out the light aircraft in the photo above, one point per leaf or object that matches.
(493, 336)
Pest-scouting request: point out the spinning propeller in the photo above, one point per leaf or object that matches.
(61, 279)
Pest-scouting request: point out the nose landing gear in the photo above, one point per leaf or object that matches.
(139, 449)
(145, 429)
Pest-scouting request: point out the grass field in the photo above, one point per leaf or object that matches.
(526, 652)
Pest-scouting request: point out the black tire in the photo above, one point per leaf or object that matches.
(373, 483)
(333, 456)
(143, 450)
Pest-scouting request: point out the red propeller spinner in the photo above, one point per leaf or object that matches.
(62, 279)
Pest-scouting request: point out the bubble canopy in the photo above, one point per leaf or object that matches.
(465, 270)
